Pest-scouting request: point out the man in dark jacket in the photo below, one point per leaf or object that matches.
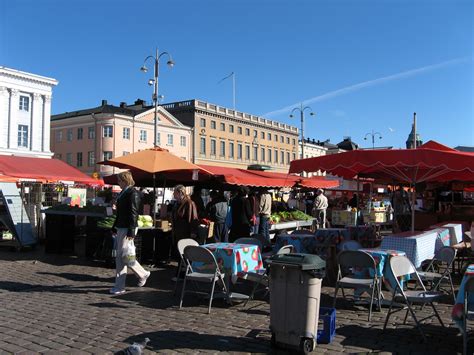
(241, 215)
(218, 214)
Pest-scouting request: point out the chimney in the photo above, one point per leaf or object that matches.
(139, 102)
(123, 104)
(104, 102)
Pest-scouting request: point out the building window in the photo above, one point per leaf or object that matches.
(90, 158)
(69, 158)
(269, 155)
(294, 156)
(142, 135)
(213, 147)
(239, 130)
(203, 122)
(24, 103)
(170, 139)
(182, 141)
(80, 132)
(255, 133)
(231, 150)
(247, 132)
(23, 136)
(282, 139)
(158, 138)
(108, 131)
(247, 152)
(255, 153)
(126, 133)
(222, 127)
(79, 159)
(239, 151)
(91, 132)
(287, 140)
(125, 153)
(294, 141)
(222, 149)
(276, 138)
(213, 124)
(69, 134)
(269, 136)
(231, 128)
(107, 155)
(203, 146)
(262, 135)
(287, 158)
(59, 136)
(282, 157)
(276, 156)
(262, 154)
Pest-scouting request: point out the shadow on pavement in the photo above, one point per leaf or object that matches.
(14, 286)
(107, 305)
(185, 340)
(79, 277)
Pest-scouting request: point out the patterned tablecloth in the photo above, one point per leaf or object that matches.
(313, 243)
(458, 308)
(236, 259)
(455, 231)
(418, 246)
(381, 258)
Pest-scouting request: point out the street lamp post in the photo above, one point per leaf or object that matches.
(154, 82)
(373, 134)
(301, 110)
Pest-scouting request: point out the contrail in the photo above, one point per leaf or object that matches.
(365, 84)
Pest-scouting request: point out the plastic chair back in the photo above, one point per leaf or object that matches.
(286, 249)
(183, 243)
(355, 258)
(446, 254)
(200, 254)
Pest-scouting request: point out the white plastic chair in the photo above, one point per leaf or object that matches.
(446, 256)
(402, 266)
(350, 261)
(209, 273)
(183, 243)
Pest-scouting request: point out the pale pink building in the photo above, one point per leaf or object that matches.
(82, 138)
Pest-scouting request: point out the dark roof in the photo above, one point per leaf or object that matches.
(132, 111)
(348, 144)
(464, 148)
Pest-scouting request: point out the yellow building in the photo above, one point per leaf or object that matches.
(226, 137)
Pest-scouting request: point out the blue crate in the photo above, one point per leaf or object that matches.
(328, 317)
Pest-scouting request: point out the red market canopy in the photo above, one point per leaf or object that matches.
(428, 163)
(254, 178)
(14, 168)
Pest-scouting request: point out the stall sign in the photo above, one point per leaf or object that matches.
(78, 196)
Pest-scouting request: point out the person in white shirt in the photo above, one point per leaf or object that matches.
(319, 208)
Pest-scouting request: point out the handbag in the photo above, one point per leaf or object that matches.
(129, 256)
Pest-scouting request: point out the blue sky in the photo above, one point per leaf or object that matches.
(362, 65)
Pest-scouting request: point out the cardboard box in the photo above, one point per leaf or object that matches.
(162, 224)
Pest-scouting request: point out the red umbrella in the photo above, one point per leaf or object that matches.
(430, 162)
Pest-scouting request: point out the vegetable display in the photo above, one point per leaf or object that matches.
(288, 216)
(145, 221)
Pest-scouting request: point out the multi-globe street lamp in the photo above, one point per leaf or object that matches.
(301, 110)
(154, 82)
(373, 135)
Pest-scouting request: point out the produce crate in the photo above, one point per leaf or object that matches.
(328, 318)
(343, 218)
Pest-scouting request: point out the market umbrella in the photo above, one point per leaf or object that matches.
(430, 162)
(158, 164)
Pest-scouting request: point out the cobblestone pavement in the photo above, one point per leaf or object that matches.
(60, 304)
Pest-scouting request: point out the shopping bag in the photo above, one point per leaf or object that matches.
(128, 253)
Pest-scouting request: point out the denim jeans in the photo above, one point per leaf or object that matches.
(263, 228)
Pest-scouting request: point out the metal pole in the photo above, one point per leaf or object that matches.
(155, 97)
(302, 132)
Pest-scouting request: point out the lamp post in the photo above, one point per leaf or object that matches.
(154, 82)
(301, 110)
(373, 134)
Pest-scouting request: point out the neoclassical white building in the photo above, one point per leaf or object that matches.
(25, 113)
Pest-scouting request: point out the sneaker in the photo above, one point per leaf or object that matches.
(116, 291)
(142, 281)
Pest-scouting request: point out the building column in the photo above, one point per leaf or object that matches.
(4, 114)
(46, 146)
(12, 120)
(36, 123)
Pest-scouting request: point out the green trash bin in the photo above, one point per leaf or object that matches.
(295, 292)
